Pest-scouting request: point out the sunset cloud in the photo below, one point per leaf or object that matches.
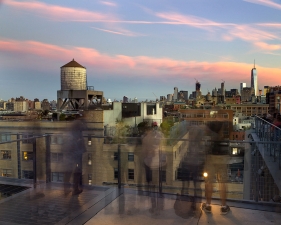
(266, 46)
(56, 12)
(226, 31)
(267, 3)
(124, 33)
(112, 4)
(142, 67)
(255, 34)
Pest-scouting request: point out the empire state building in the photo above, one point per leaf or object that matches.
(254, 80)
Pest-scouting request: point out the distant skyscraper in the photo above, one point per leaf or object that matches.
(169, 97)
(125, 99)
(254, 80)
(242, 85)
(222, 89)
(215, 92)
(265, 89)
(197, 86)
(175, 96)
(184, 94)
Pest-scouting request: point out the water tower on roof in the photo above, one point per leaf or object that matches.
(73, 76)
(74, 93)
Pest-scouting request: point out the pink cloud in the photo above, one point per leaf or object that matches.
(56, 12)
(112, 4)
(144, 67)
(124, 33)
(59, 12)
(266, 46)
(226, 31)
(268, 3)
(179, 19)
(250, 34)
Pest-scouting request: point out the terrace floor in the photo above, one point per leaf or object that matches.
(105, 205)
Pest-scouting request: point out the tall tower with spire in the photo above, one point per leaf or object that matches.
(254, 80)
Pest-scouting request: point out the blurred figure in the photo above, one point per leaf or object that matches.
(216, 167)
(153, 162)
(191, 171)
(75, 147)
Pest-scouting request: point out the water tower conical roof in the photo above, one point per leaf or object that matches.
(73, 63)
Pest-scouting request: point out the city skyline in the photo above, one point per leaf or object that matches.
(140, 48)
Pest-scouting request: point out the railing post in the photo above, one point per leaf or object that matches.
(279, 154)
(18, 156)
(160, 172)
(119, 166)
(48, 158)
(34, 163)
(256, 197)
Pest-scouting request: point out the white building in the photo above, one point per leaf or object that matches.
(133, 113)
(241, 122)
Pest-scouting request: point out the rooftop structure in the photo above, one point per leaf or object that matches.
(74, 93)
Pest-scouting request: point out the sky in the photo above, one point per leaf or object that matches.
(138, 48)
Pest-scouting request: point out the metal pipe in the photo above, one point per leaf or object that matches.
(119, 166)
(34, 163)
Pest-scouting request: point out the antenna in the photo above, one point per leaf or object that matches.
(196, 80)
(254, 63)
(223, 81)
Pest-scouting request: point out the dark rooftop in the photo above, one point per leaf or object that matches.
(73, 63)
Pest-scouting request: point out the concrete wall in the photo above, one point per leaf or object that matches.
(110, 116)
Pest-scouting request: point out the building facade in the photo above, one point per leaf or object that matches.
(250, 109)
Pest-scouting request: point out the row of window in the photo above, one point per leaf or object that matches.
(131, 156)
(55, 157)
(55, 139)
(25, 173)
(59, 176)
(27, 155)
(204, 115)
(131, 174)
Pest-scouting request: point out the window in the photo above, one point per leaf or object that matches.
(5, 137)
(56, 157)
(27, 174)
(90, 159)
(56, 139)
(90, 179)
(150, 109)
(29, 140)
(57, 177)
(115, 156)
(6, 173)
(5, 154)
(131, 156)
(115, 173)
(27, 155)
(163, 175)
(131, 174)
(89, 140)
(234, 151)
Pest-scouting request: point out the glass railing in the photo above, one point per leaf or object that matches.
(185, 165)
(171, 167)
